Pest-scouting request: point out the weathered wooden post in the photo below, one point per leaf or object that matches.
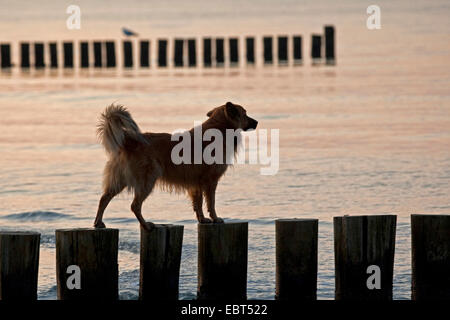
(364, 256)
(430, 235)
(68, 54)
(53, 54)
(84, 54)
(19, 264)
(316, 48)
(145, 53)
(192, 53)
(127, 54)
(220, 52)
(39, 55)
(178, 52)
(268, 52)
(160, 262)
(24, 55)
(329, 45)
(222, 261)
(297, 46)
(250, 50)
(207, 61)
(110, 54)
(98, 54)
(5, 53)
(234, 52)
(90, 256)
(162, 53)
(283, 50)
(296, 259)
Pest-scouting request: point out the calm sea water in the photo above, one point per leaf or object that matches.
(370, 135)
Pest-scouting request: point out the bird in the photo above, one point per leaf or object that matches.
(128, 32)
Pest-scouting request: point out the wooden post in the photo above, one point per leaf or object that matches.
(178, 52)
(94, 251)
(430, 235)
(84, 54)
(268, 52)
(316, 48)
(145, 53)
(297, 54)
(53, 54)
(222, 261)
(250, 50)
(110, 54)
(19, 264)
(127, 54)
(364, 253)
(162, 53)
(329, 45)
(24, 55)
(5, 52)
(192, 53)
(207, 61)
(68, 54)
(234, 52)
(39, 55)
(98, 54)
(296, 259)
(220, 53)
(160, 262)
(282, 50)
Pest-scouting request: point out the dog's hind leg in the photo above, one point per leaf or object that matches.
(210, 195)
(113, 184)
(197, 203)
(103, 203)
(139, 197)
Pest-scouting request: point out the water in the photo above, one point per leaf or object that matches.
(368, 136)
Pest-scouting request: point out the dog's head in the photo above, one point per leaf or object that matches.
(234, 115)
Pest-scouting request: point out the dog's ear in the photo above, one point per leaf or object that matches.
(209, 114)
(231, 111)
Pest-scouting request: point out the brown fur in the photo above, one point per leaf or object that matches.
(140, 161)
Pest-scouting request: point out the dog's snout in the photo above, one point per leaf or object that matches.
(252, 123)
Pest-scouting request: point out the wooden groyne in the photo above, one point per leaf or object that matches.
(215, 52)
(86, 264)
(222, 261)
(296, 259)
(19, 261)
(364, 246)
(364, 257)
(160, 262)
(430, 235)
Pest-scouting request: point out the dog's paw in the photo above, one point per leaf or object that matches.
(99, 225)
(218, 220)
(204, 220)
(148, 226)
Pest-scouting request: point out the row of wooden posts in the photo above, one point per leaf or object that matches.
(104, 52)
(359, 242)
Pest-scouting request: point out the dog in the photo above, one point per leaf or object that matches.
(140, 161)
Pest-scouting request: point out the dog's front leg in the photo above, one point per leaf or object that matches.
(197, 204)
(210, 195)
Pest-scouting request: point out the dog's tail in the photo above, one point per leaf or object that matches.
(115, 126)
